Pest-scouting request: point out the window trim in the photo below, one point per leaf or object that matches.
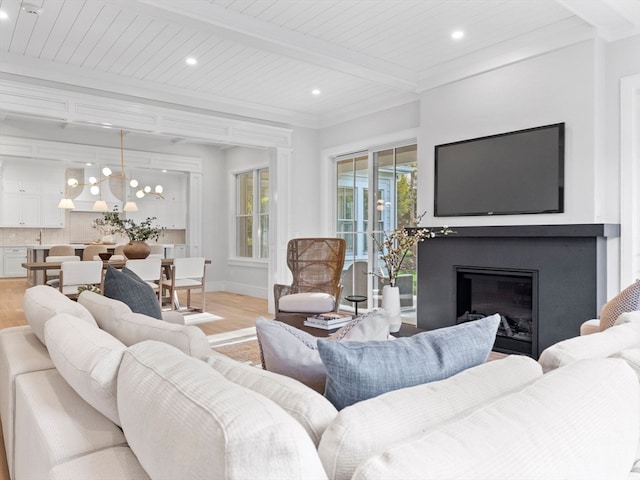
(256, 216)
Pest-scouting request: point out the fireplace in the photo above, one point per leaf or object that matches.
(565, 264)
(510, 293)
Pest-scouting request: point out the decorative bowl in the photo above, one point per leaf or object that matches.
(105, 256)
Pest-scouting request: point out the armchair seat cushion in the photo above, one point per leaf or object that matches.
(309, 302)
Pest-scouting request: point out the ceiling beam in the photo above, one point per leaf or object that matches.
(613, 19)
(252, 32)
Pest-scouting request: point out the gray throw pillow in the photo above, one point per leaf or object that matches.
(360, 370)
(130, 289)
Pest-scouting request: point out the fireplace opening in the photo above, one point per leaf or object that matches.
(510, 293)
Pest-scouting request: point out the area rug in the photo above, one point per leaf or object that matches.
(241, 345)
(196, 318)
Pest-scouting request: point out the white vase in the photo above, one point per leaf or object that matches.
(391, 303)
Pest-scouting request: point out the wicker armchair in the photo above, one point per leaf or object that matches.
(316, 265)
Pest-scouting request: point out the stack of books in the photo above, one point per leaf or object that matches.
(328, 321)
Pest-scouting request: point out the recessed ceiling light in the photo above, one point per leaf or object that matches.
(3, 15)
(191, 61)
(457, 35)
(315, 91)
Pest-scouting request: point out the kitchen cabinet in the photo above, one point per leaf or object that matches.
(21, 206)
(12, 259)
(32, 204)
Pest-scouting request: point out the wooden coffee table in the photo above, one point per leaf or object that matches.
(297, 320)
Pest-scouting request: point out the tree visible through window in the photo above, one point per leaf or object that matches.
(381, 186)
(252, 214)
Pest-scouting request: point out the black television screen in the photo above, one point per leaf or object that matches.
(506, 174)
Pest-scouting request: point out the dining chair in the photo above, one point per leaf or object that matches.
(52, 275)
(91, 251)
(149, 270)
(186, 274)
(75, 274)
(62, 250)
(119, 249)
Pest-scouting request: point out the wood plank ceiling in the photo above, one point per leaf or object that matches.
(267, 55)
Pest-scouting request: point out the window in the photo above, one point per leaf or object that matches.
(252, 214)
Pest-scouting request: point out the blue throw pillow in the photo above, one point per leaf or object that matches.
(129, 288)
(360, 370)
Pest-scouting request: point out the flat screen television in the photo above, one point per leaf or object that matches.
(511, 173)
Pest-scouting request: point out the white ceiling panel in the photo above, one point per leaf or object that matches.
(268, 55)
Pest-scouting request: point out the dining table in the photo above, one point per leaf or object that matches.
(119, 264)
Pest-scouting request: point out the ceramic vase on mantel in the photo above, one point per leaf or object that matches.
(391, 303)
(136, 250)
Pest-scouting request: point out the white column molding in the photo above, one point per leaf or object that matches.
(279, 218)
(73, 107)
(629, 179)
(194, 216)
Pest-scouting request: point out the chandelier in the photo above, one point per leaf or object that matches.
(94, 183)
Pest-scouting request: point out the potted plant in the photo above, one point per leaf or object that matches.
(137, 233)
(393, 248)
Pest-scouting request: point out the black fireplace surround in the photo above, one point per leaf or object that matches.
(564, 264)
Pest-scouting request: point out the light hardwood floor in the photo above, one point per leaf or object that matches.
(238, 311)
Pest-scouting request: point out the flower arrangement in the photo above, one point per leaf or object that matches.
(395, 246)
(111, 222)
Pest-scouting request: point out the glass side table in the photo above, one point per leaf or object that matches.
(355, 299)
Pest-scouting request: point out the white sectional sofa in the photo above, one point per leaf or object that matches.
(91, 391)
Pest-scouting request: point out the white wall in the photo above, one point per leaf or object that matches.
(305, 192)
(245, 276)
(552, 88)
(379, 124)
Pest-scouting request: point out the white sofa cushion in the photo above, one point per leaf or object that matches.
(313, 411)
(42, 302)
(372, 426)
(116, 318)
(597, 345)
(55, 424)
(110, 464)
(88, 359)
(579, 422)
(632, 357)
(184, 420)
(311, 302)
(20, 352)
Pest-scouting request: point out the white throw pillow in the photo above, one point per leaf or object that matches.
(312, 410)
(42, 302)
(372, 426)
(372, 326)
(184, 420)
(291, 352)
(88, 359)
